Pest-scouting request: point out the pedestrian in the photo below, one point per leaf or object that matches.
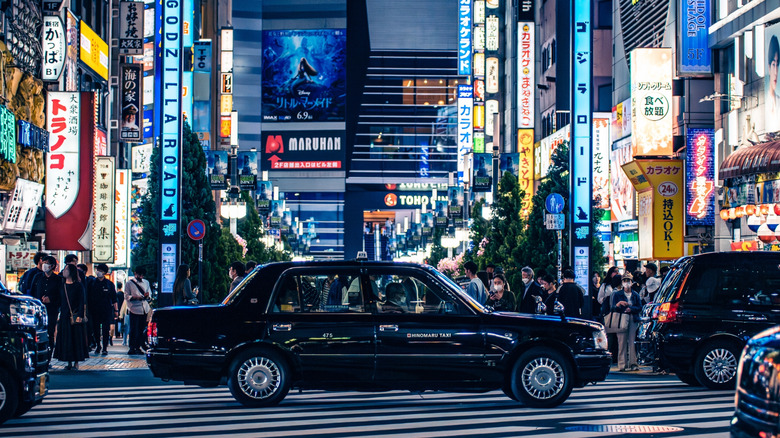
(236, 272)
(571, 295)
(71, 331)
(183, 295)
(550, 288)
(475, 288)
(48, 289)
(136, 295)
(595, 285)
(500, 298)
(606, 289)
(532, 292)
(250, 265)
(101, 294)
(27, 282)
(124, 316)
(627, 301)
(120, 301)
(652, 283)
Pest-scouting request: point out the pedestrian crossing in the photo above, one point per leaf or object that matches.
(174, 411)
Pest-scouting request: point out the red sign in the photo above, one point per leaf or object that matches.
(745, 246)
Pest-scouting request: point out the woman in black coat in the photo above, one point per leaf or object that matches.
(72, 338)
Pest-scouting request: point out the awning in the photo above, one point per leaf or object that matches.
(752, 160)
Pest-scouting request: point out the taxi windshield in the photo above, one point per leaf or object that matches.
(459, 291)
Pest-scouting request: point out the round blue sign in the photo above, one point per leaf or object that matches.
(196, 229)
(554, 203)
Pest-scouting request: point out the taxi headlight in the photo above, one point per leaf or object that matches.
(600, 340)
(22, 313)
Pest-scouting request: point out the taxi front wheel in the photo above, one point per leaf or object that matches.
(541, 378)
(259, 378)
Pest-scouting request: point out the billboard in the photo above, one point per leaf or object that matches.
(700, 177)
(247, 170)
(651, 102)
(465, 127)
(526, 77)
(548, 146)
(70, 69)
(217, 162)
(695, 55)
(103, 214)
(772, 93)
(304, 75)
(53, 40)
(303, 150)
(131, 123)
(601, 149)
(509, 163)
(94, 51)
(621, 193)
(483, 173)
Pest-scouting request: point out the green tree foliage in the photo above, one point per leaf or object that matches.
(438, 252)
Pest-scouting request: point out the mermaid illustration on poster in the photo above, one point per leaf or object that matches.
(304, 75)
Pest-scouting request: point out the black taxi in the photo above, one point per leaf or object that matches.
(372, 326)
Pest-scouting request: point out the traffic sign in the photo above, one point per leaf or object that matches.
(554, 203)
(554, 221)
(196, 229)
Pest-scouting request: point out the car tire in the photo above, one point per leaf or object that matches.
(23, 408)
(259, 378)
(716, 365)
(688, 379)
(541, 378)
(9, 396)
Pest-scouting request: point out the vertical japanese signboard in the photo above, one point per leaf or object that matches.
(651, 101)
(581, 148)
(53, 40)
(171, 127)
(525, 75)
(122, 217)
(7, 135)
(694, 53)
(131, 124)
(525, 171)
(465, 128)
(131, 28)
(601, 146)
(103, 213)
(700, 177)
(201, 56)
(62, 161)
(464, 37)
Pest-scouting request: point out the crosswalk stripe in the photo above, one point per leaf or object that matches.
(194, 411)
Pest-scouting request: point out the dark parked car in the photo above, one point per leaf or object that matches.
(758, 388)
(707, 308)
(24, 354)
(370, 326)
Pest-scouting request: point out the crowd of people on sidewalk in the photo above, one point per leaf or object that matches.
(616, 301)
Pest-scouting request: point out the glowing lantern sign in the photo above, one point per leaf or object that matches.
(765, 234)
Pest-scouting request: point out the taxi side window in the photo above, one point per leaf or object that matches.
(287, 299)
(409, 294)
(321, 292)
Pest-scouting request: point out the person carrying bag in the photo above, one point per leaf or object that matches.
(624, 319)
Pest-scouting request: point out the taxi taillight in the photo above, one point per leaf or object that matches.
(668, 312)
(152, 333)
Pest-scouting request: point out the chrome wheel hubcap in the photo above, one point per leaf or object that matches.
(259, 377)
(720, 365)
(542, 378)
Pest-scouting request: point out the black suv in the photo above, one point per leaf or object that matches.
(707, 308)
(757, 411)
(24, 354)
(370, 326)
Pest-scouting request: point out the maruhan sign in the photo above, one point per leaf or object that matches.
(303, 150)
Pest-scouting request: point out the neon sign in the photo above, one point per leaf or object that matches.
(700, 177)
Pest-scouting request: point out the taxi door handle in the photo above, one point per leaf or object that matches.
(388, 328)
(282, 327)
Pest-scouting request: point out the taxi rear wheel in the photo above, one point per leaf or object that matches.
(9, 396)
(259, 378)
(541, 378)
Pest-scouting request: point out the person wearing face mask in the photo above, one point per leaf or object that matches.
(626, 300)
(101, 294)
(47, 288)
(27, 282)
(531, 294)
(500, 297)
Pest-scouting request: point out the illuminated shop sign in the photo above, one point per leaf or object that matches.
(7, 135)
(62, 161)
(491, 77)
(525, 171)
(122, 217)
(22, 206)
(651, 100)
(601, 149)
(131, 28)
(31, 136)
(526, 78)
(695, 55)
(131, 124)
(464, 37)
(103, 213)
(465, 128)
(94, 51)
(304, 150)
(53, 39)
(491, 33)
(700, 177)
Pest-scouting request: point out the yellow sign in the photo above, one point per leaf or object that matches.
(94, 51)
(225, 104)
(525, 146)
(661, 213)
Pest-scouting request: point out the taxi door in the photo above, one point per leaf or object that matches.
(318, 316)
(424, 334)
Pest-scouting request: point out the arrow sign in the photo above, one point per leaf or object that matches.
(196, 229)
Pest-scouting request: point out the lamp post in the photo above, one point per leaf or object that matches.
(235, 209)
